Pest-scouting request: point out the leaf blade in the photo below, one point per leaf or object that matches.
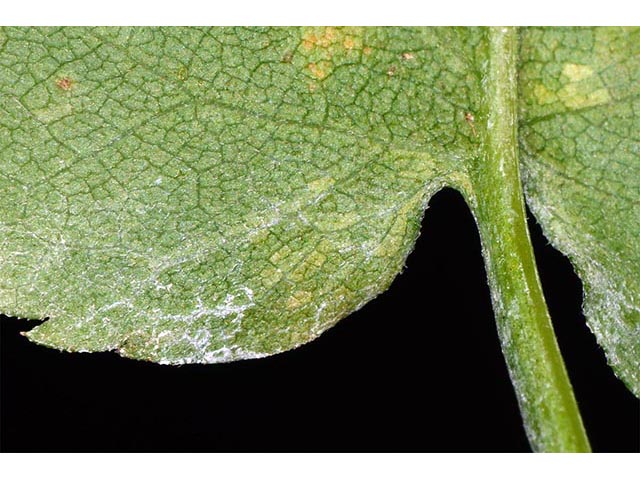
(226, 199)
(579, 122)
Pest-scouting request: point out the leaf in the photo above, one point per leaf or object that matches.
(212, 195)
(580, 138)
(188, 195)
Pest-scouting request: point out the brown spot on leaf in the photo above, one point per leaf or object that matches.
(287, 57)
(408, 56)
(392, 70)
(349, 43)
(469, 118)
(367, 50)
(64, 83)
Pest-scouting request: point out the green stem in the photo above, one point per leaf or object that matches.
(544, 392)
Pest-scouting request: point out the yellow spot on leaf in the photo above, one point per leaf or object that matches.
(574, 97)
(280, 255)
(319, 38)
(544, 95)
(326, 47)
(575, 72)
(332, 222)
(328, 41)
(183, 73)
(271, 276)
(299, 299)
(325, 37)
(395, 237)
(309, 41)
(581, 89)
(320, 185)
(308, 266)
(317, 71)
(54, 113)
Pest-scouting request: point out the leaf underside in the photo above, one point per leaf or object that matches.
(187, 195)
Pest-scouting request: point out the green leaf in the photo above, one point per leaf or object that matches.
(188, 195)
(580, 138)
(211, 195)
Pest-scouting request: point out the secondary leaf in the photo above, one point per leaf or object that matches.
(580, 137)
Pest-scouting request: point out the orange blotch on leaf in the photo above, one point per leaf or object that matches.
(309, 41)
(349, 43)
(317, 71)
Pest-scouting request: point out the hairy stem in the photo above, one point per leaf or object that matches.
(544, 392)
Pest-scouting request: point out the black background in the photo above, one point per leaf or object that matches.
(417, 369)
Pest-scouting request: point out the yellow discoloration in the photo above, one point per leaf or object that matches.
(281, 254)
(462, 182)
(336, 221)
(325, 47)
(309, 41)
(349, 43)
(415, 165)
(325, 247)
(327, 37)
(259, 235)
(544, 95)
(317, 71)
(582, 90)
(182, 73)
(395, 237)
(575, 97)
(271, 276)
(299, 299)
(331, 40)
(575, 72)
(320, 185)
(323, 37)
(308, 266)
(52, 114)
(316, 259)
